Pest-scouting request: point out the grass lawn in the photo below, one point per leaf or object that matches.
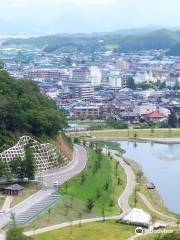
(65, 210)
(141, 133)
(92, 185)
(92, 231)
(29, 189)
(149, 237)
(75, 194)
(175, 235)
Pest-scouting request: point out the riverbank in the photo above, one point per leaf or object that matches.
(141, 134)
(123, 201)
(141, 140)
(149, 200)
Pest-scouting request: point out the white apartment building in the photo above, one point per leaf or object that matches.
(115, 78)
(96, 76)
(141, 77)
(80, 83)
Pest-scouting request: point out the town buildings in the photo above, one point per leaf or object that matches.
(96, 85)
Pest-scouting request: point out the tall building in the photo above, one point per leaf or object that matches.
(80, 83)
(115, 79)
(96, 76)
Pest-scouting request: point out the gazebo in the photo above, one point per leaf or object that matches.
(13, 190)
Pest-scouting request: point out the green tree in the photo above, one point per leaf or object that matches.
(83, 178)
(25, 110)
(49, 214)
(118, 181)
(15, 233)
(135, 135)
(103, 214)
(116, 167)
(117, 124)
(139, 176)
(90, 204)
(29, 163)
(131, 83)
(76, 140)
(152, 131)
(106, 185)
(98, 193)
(3, 170)
(80, 218)
(172, 121)
(13, 219)
(135, 197)
(18, 168)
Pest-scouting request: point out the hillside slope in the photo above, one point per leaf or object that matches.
(25, 110)
(130, 42)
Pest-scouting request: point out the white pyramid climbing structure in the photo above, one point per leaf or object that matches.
(45, 155)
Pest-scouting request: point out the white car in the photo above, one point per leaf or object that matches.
(56, 184)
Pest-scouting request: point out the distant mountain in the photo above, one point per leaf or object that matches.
(174, 51)
(123, 41)
(160, 39)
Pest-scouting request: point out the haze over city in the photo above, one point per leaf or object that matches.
(70, 16)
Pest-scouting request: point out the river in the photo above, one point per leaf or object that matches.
(161, 165)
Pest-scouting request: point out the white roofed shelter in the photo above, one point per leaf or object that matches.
(138, 217)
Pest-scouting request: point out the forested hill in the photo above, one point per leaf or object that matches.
(130, 42)
(25, 110)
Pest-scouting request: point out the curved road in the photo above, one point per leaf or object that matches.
(123, 201)
(73, 168)
(62, 175)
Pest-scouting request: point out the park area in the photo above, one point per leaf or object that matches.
(92, 231)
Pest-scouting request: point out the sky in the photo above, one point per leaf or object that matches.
(70, 16)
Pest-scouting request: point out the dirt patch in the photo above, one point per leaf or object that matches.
(65, 146)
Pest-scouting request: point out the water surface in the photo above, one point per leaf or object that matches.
(161, 165)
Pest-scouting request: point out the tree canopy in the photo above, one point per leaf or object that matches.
(15, 233)
(25, 110)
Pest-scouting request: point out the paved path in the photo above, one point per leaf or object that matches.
(151, 207)
(7, 203)
(123, 201)
(131, 183)
(62, 175)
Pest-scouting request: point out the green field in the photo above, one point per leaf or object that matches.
(90, 185)
(175, 235)
(65, 210)
(92, 231)
(140, 133)
(75, 194)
